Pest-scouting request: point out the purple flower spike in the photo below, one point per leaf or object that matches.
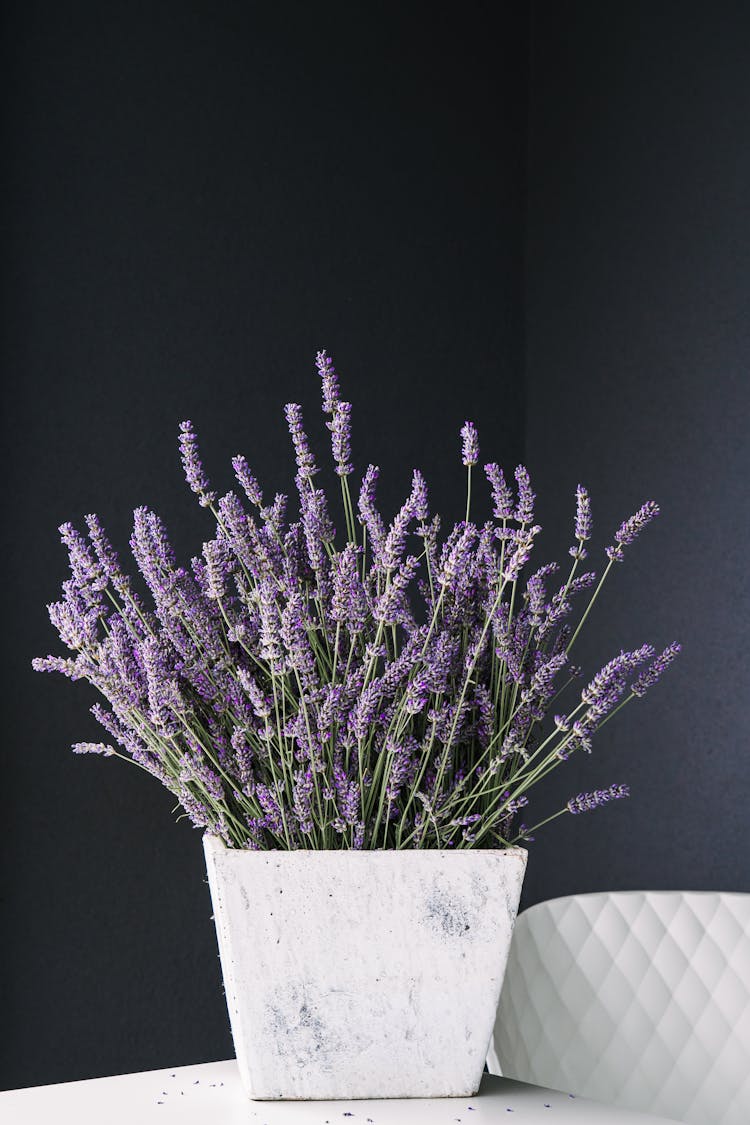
(305, 460)
(341, 432)
(247, 480)
(92, 748)
(521, 553)
(330, 381)
(419, 499)
(631, 529)
(469, 444)
(585, 802)
(653, 673)
(583, 522)
(395, 540)
(606, 688)
(502, 495)
(526, 497)
(191, 463)
(368, 513)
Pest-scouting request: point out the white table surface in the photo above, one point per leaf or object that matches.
(210, 1094)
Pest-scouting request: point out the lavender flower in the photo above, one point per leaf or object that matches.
(541, 685)
(341, 432)
(502, 495)
(368, 513)
(401, 765)
(302, 795)
(93, 748)
(520, 552)
(318, 530)
(329, 380)
(305, 461)
(561, 603)
(218, 568)
(391, 608)
(347, 797)
(456, 556)
(536, 593)
(469, 444)
(164, 701)
(654, 671)
(416, 695)
(395, 540)
(583, 522)
(192, 466)
(247, 480)
(525, 510)
(271, 648)
(274, 513)
(349, 604)
(419, 501)
(629, 531)
(605, 690)
(585, 802)
(296, 641)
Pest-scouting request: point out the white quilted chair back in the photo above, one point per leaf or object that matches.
(637, 998)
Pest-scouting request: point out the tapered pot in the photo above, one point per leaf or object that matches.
(362, 974)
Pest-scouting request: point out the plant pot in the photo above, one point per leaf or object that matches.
(362, 974)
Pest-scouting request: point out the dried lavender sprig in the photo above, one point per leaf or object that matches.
(583, 522)
(419, 499)
(244, 476)
(469, 457)
(525, 510)
(306, 466)
(502, 495)
(469, 444)
(368, 513)
(653, 673)
(329, 380)
(341, 430)
(191, 464)
(629, 531)
(93, 748)
(585, 802)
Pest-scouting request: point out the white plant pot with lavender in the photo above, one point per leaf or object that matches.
(355, 719)
(362, 974)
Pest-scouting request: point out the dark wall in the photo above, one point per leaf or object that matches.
(199, 196)
(638, 384)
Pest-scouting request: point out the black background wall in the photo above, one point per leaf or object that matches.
(198, 197)
(638, 384)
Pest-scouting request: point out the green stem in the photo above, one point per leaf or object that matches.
(594, 596)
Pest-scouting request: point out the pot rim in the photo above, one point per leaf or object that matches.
(216, 844)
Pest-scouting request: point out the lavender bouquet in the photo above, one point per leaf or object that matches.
(384, 688)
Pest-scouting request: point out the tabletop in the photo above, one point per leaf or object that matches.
(211, 1092)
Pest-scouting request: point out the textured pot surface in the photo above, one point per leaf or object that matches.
(362, 974)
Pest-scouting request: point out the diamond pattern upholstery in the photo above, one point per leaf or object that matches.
(636, 998)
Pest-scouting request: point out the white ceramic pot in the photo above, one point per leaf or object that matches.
(362, 974)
